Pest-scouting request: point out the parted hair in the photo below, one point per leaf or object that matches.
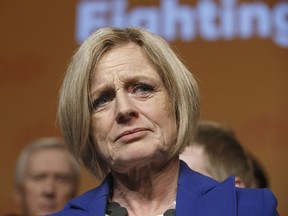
(74, 110)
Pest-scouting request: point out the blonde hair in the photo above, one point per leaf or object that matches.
(74, 109)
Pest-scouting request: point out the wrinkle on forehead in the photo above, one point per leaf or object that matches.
(117, 61)
(117, 58)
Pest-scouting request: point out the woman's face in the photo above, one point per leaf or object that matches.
(133, 122)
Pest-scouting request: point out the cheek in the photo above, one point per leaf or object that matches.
(167, 117)
(30, 195)
(164, 112)
(170, 129)
(32, 188)
(161, 113)
(66, 187)
(65, 194)
(100, 128)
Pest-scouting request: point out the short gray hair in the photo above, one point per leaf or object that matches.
(39, 145)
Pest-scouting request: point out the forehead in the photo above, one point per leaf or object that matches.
(119, 54)
(49, 160)
(125, 57)
(125, 62)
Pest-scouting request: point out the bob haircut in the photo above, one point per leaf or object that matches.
(75, 105)
(40, 145)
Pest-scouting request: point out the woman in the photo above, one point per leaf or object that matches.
(127, 109)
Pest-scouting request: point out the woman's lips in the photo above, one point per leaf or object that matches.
(132, 135)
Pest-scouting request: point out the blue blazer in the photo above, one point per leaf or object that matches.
(197, 195)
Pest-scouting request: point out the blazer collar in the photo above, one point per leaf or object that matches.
(196, 195)
(94, 200)
(200, 195)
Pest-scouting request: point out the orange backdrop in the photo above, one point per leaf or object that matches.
(243, 83)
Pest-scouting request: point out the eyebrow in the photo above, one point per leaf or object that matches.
(104, 87)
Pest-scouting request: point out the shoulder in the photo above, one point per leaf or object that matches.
(221, 198)
(79, 205)
(256, 202)
(91, 201)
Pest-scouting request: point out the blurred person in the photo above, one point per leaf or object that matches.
(127, 108)
(260, 177)
(216, 152)
(46, 177)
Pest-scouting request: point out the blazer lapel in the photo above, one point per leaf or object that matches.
(202, 196)
(97, 207)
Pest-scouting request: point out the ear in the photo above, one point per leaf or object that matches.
(239, 182)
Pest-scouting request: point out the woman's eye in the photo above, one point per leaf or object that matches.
(143, 89)
(102, 101)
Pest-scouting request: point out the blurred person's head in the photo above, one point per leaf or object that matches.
(260, 178)
(46, 177)
(216, 152)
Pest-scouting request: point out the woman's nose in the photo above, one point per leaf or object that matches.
(126, 109)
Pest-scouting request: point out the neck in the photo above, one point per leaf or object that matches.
(149, 190)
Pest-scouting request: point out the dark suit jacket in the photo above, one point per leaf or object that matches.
(197, 195)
